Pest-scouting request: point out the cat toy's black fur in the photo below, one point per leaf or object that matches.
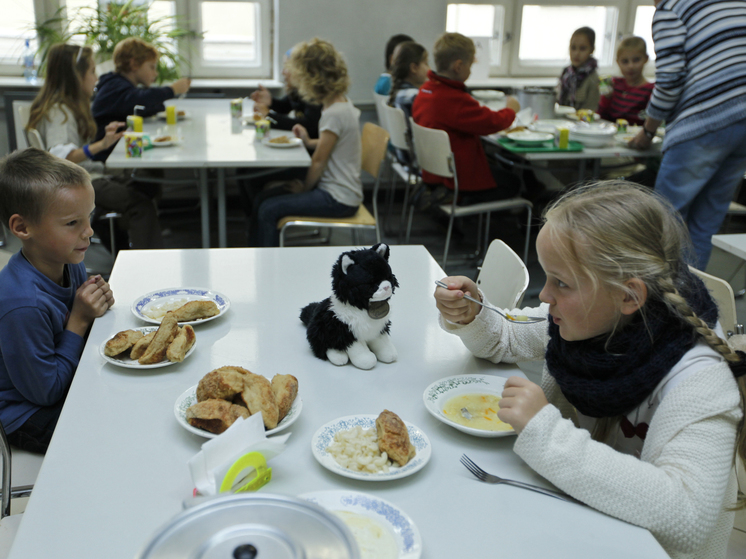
(352, 324)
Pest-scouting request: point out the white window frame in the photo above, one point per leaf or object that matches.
(42, 11)
(519, 69)
(200, 69)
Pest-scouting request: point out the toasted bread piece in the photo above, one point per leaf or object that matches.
(393, 438)
(141, 345)
(214, 415)
(285, 389)
(195, 310)
(257, 395)
(182, 343)
(121, 342)
(222, 384)
(165, 334)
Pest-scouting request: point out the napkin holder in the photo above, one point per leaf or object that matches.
(237, 459)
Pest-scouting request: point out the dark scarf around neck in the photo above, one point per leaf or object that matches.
(608, 377)
(572, 78)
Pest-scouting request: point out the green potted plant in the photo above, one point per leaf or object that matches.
(103, 27)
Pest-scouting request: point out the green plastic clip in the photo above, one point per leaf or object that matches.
(235, 479)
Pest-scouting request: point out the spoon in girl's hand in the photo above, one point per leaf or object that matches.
(518, 319)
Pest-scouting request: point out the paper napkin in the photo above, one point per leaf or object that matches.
(209, 466)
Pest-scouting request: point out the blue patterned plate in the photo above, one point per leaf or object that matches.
(405, 532)
(189, 398)
(439, 392)
(173, 295)
(125, 361)
(325, 436)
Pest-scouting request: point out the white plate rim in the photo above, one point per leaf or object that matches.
(134, 364)
(322, 437)
(189, 397)
(433, 394)
(539, 137)
(162, 115)
(406, 534)
(294, 143)
(223, 302)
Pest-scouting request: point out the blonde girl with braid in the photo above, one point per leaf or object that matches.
(640, 409)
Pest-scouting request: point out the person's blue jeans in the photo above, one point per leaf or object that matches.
(269, 210)
(700, 177)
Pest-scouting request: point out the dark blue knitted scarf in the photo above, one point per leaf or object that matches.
(608, 377)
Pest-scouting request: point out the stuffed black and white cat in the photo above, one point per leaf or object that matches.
(352, 324)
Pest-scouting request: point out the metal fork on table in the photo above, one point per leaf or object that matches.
(481, 475)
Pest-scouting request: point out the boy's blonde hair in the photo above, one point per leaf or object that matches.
(632, 43)
(318, 71)
(451, 47)
(132, 53)
(30, 180)
(613, 231)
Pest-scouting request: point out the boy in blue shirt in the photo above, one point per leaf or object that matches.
(46, 303)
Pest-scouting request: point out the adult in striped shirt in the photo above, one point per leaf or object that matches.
(630, 92)
(700, 92)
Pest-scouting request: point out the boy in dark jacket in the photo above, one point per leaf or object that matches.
(117, 93)
(444, 104)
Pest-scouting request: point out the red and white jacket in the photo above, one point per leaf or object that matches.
(444, 104)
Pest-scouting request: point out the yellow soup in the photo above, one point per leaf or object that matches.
(483, 409)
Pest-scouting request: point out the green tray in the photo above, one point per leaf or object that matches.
(547, 146)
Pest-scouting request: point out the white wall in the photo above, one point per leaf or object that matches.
(359, 29)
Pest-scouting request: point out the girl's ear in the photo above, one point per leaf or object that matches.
(635, 297)
(19, 227)
(413, 67)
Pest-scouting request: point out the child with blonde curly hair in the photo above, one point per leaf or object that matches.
(332, 187)
(641, 402)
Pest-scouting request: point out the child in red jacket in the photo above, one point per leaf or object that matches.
(444, 104)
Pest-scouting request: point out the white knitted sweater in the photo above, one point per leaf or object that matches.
(684, 478)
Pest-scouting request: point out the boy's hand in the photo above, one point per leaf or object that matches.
(451, 303)
(262, 96)
(181, 86)
(512, 103)
(522, 400)
(300, 132)
(112, 136)
(92, 299)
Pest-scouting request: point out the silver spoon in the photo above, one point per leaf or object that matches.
(509, 317)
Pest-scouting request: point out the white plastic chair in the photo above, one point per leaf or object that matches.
(374, 142)
(20, 117)
(401, 139)
(381, 101)
(722, 292)
(28, 464)
(503, 277)
(433, 151)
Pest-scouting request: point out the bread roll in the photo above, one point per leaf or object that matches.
(141, 346)
(393, 438)
(222, 384)
(195, 310)
(285, 389)
(214, 415)
(165, 334)
(121, 342)
(182, 343)
(257, 396)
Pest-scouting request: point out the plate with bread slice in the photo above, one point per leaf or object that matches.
(150, 347)
(192, 305)
(227, 393)
(283, 141)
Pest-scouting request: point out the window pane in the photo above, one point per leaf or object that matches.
(546, 32)
(479, 20)
(230, 33)
(644, 27)
(17, 25)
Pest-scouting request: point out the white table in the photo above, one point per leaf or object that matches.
(116, 470)
(211, 139)
(734, 244)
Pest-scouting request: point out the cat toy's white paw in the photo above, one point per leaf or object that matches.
(337, 357)
(361, 356)
(384, 349)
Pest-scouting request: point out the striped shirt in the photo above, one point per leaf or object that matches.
(700, 48)
(625, 101)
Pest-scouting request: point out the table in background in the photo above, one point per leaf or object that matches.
(595, 155)
(733, 244)
(116, 470)
(211, 139)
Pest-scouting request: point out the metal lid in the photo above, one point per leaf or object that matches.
(254, 526)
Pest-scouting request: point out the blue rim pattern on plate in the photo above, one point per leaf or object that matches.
(407, 535)
(196, 293)
(325, 435)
